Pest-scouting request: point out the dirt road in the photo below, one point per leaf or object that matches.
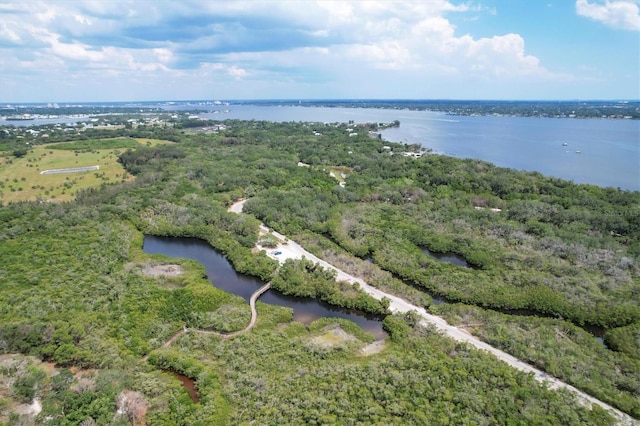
(291, 250)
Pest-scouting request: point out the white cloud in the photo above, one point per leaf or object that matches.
(237, 73)
(431, 45)
(252, 45)
(219, 70)
(82, 19)
(387, 35)
(7, 33)
(74, 51)
(622, 14)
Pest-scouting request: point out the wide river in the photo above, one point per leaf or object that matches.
(597, 151)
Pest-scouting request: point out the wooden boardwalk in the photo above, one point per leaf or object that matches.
(254, 317)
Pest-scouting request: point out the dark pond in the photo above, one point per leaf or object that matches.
(597, 332)
(447, 257)
(223, 276)
(188, 384)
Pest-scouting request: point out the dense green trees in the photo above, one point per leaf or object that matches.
(421, 378)
(212, 407)
(303, 278)
(625, 339)
(157, 156)
(561, 349)
(73, 292)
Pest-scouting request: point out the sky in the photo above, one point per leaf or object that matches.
(145, 50)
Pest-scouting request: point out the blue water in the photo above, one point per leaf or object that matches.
(43, 121)
(609, 149)
(223, 276)
(601, 152)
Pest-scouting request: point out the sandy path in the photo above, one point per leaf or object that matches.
(292, 250)
(237, 206)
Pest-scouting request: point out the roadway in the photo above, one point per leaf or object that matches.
(288, 249)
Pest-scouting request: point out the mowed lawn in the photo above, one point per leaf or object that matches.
(20, 178)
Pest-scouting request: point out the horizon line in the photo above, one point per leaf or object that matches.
(620, 100)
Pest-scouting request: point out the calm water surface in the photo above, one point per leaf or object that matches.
(223, 276)
(447, 257)
(43, 121)
(609, 150)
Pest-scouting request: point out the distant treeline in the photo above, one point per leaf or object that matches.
(569, 109)
(74, 109)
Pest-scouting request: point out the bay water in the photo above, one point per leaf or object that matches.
(603, 152)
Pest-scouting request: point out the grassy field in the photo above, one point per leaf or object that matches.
(20, 178)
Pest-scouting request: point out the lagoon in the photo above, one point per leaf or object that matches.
(223, 276)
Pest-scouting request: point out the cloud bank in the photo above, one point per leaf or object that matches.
(259, 49)
(623, 14)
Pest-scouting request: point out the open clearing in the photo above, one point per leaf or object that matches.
(21, 178)
(162, 270)
(11, 367)
(333, 337)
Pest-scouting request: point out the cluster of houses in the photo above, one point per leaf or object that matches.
(43, 126)
(412, 154)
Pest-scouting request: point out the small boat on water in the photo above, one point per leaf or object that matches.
(578, 152)
(565, 144)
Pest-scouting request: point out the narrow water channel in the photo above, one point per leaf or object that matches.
(223, 276)
(188, 384)
(596, 331)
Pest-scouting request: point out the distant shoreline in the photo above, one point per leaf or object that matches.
(602, 109)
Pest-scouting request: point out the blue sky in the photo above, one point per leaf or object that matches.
(136, 50)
